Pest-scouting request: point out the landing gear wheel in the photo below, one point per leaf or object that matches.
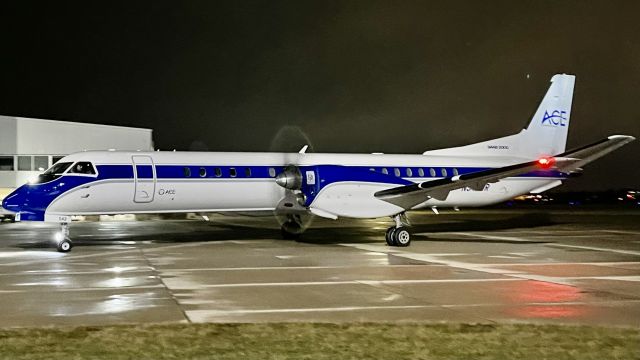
(401, 237)
(287, 235)
(388, 236)
(65, 245)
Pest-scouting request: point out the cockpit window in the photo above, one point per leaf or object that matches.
(52, 173)
(82, 167)
(58, 168)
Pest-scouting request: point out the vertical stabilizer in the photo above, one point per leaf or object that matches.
(546, 133)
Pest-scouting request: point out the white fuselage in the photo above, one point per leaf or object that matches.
(166, 187)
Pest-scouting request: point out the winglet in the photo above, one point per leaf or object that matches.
(303, 150)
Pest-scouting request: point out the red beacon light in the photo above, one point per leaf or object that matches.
(546, 162)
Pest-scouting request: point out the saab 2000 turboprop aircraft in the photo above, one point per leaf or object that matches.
(297, 185)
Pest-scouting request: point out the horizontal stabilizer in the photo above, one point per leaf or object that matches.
(594, 151)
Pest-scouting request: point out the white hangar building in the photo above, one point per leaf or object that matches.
(30, 146)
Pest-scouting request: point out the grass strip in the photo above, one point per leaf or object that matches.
(321, 341)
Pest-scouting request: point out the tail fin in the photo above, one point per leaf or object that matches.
(546, 133)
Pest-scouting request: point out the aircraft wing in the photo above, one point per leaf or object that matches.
(408, 196)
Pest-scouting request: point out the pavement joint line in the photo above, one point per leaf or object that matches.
(349, 282)
(515, 277)
(612, 277)
(397, 307)
(623, 232)
(462, 265)
(180, 270)
(54, 288)
(71, 257)
(494, 237)
(303, 267)
(626, 252)
(104, 272)
(160, 279)
(556, 231)
(431, 259)
(608, 263)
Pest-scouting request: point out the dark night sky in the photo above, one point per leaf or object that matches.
(356, 76)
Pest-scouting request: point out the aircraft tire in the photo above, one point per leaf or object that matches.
(287, 235)
(388, 236)
(64, 246)
(402, 237)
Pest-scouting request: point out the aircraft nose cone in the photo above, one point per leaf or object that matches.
(14, 201)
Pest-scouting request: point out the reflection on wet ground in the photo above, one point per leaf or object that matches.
(472, 266)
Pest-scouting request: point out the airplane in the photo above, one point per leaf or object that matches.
(296, 186)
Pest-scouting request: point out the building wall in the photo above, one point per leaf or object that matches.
(8, 137)
(35, 136)
(27, 140)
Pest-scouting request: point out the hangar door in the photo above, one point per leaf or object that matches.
(144, 175)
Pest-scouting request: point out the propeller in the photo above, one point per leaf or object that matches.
(291, 214)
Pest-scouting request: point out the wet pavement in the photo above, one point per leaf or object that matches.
(562, 266)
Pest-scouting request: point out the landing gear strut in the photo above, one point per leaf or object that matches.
(63, 242)
(399, 235)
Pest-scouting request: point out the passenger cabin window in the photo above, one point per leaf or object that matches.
(203, 172)
(396, 171)
(218, 172)
(233, 172)
(247, 172)
(432, 172)
(455, 172)
(421, 172)
(385, 171)
(409, 172)
(443, 171)
(82, 167)
(186, 171)
(6, 163)
(272, 172)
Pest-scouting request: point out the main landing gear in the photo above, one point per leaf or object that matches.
(293, 225)
(399, 235)
(63, 242)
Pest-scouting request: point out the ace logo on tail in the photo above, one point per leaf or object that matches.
(556, 118)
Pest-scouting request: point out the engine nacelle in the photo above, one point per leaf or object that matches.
(290, 178)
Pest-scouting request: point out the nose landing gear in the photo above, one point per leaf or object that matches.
(63, 242)
(399, 235)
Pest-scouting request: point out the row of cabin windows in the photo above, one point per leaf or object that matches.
(217, 172)
(409, 172)
(421, 172)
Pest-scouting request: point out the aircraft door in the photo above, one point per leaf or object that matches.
(144, 175)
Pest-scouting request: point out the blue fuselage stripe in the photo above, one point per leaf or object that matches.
(32, 200)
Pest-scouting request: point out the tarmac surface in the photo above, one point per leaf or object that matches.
(481, 266)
